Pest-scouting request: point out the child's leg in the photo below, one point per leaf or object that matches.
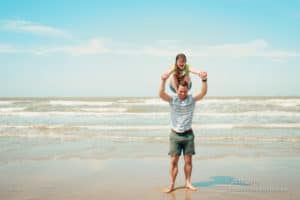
(174, 82)
(187, 79)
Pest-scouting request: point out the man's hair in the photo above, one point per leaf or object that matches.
(183, 83)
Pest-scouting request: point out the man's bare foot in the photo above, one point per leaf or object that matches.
(190, 187)
(169, 189)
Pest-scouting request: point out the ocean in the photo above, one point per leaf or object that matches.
(51, 128)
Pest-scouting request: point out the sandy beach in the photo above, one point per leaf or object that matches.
(117, 149)
(228, 178)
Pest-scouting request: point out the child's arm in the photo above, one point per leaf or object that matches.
(170, 71)
(193, 71)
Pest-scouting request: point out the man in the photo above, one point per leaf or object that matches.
(181, 136)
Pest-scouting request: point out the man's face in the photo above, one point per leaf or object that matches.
(182, 92)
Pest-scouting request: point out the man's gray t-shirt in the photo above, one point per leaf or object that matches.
(182, 113)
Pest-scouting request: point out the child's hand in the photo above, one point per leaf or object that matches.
(203, 75)
(165, 76)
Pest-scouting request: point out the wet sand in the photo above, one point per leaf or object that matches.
(227, 178)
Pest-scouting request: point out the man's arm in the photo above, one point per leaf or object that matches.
(203, 91)
(163, 95)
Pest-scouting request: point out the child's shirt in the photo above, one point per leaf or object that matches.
(182, 72)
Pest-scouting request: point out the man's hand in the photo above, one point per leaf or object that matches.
(162, 92)
(203, 91)
(203, 75)
(165, 76)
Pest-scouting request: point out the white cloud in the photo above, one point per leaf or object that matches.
(89, 47)
(93, 46)
(239, 49)
(96, 46)
(255, 48)
(165, 47)
(30, 27)
(7, 49)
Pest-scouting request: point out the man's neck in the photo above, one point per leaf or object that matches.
(183, 98)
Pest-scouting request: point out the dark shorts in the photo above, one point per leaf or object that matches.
(181, 142)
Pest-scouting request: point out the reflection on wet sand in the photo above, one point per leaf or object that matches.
(213, 181)
(187, 193)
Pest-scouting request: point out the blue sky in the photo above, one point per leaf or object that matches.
(121, 48)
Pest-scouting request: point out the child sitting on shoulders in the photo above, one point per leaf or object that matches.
(180, 71)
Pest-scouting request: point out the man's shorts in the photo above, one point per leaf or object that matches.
(181, 142)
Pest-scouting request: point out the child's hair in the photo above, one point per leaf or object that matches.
(180, 55)
(183, 83)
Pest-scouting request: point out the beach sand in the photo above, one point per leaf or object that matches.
(227, 178)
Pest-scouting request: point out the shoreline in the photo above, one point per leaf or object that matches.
(142, 97)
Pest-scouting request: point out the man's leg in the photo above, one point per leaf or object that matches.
(173, 172)
(188, 172)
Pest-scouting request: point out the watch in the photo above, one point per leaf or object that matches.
(204, 80)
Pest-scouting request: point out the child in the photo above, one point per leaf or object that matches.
(180, 72)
